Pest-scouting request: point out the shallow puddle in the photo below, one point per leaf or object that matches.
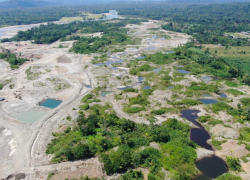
(157, 70)
(104, 93)
(150, 48)
(141, 57)
(222, 95)
(183, 71)
(208, 101)
(170, 87)
(51, 103)
(29, 117)
(146, 87)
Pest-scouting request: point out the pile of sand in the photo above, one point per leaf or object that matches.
(64, 59)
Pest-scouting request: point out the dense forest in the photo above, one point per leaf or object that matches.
(19, 16)
(207, 23)
(45, 34)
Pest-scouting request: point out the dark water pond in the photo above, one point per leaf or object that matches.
(208, 101)
(191, 115)
(157, 70)
(104, 93)
(51, 103)
(146, 87)
(200, 137)
(183, 71)
(212, 166)
(222, 95)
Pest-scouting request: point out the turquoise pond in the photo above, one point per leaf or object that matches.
(51, 103)
(29, 117)
(104, 93)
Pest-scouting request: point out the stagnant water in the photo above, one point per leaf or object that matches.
(208, 101)
(104, 93)
(51, 103)
(211, 167)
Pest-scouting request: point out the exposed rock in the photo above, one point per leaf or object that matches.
(221, 131)
(201, 153)
(155, 145)
(94, 103)
(232, 148)
(246, 167)
(129, 95)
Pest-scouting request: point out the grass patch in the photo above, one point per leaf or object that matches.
(235, 92)
(231, 84)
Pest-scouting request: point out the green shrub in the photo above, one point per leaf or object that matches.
(190, 102)
(228, 176)
(117, 161)
(1, 86)
(139, 100)
(87, 97)
(134, 109)
(149, 158)
(231, 84)
(84, 107)
(159, 111)
(185, 172)
(214, 122)
(204, 119)
(132, 175)
(220, 106)
(130, 90)
(233, 163)
(148, 92)
(235, 92)
(179, 154)
(153, 177)
(145, 67)
(217, 144)
(245, 134)
(244, 101)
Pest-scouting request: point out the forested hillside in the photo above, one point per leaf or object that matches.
(24, 3)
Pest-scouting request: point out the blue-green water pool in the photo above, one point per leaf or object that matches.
(51, 103)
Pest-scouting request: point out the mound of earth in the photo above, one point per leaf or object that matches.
(64, 59)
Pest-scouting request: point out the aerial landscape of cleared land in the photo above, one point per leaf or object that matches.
(129, 96)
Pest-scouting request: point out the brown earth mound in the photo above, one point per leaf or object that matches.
(64, 59)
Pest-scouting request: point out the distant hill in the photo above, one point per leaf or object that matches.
(24, 3)
(204, 1)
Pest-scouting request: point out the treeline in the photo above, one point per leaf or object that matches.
(20, 16)
(14, 61)
(112, 34)
(45, 34)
